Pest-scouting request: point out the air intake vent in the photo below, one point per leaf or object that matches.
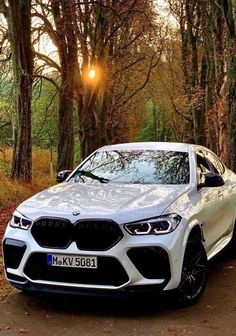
(109, 272)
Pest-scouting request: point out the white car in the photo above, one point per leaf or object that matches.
(130, 218)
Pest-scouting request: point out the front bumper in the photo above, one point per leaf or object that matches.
(153, 262)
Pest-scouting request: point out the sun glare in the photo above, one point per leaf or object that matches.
(92, 74)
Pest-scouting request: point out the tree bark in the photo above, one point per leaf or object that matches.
(63, 14)
(19, 23)
(65, 149)
(231, 104)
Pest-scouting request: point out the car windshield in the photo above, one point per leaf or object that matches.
(135, 167)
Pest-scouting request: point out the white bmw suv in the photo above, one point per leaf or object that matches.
(131, 217)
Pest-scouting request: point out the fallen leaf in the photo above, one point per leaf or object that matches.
(23, 331)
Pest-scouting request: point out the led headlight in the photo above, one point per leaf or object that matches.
(20, 222)
(156, 226)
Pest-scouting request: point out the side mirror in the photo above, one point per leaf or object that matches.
(62, 175)
(212, 180)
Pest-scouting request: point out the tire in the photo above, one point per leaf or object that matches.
(231, 248)
(194, 273)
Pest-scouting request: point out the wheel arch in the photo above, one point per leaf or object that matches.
(196, 233)
(193, 229)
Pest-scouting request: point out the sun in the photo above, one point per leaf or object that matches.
(92, 74)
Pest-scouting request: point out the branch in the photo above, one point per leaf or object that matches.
(209, 17)
(119, 97)
(48, 79)
(176, 110)
(129, 65)
(48, 61)
(49, 28)
(125, 46)
(215, 3)
(152, 65)
(45, 116)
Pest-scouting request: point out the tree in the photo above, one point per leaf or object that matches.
(228, 7)
(58, 17)
(114, 38)
(18, 16)
(209, 70)
(118, 38)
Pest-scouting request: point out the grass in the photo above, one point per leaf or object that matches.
(14, 192)
(5, 287)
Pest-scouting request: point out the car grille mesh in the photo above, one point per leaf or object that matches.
(52, 232)
(109, 272)
(93, 235)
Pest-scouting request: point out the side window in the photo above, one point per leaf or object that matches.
(216, 163)
(203, 167)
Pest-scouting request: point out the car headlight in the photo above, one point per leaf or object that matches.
(156, 226)
(20, 222)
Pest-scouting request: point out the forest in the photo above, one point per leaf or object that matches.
(76, 75)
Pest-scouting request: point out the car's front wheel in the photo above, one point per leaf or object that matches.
(232, 243)
(194, 273)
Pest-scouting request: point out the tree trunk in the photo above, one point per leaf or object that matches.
(19, 22)
(63, 12)
(231, 104)
(65, 129)
(89, 132)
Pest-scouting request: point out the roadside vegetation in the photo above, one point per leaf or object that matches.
(12, 192)
(5, 287)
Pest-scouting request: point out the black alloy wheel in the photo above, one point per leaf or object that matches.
(231, 247)
(194, 273)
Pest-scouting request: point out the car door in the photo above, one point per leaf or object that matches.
(211, 210)
(228, 191)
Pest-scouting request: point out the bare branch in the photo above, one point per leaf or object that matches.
(47, 79)
(129, 65)
(50, 62)
(49, 28)
(151, 66)
(46, 114)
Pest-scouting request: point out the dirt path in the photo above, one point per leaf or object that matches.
(214, 315)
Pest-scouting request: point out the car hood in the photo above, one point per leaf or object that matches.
(114, 201)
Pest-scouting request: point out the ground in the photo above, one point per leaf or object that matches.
(213, 315)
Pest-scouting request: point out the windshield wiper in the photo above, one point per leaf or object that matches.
(91, 175)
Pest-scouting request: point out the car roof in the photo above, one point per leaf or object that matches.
(170, 146)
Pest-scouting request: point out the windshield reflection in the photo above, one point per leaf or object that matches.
(135, 167)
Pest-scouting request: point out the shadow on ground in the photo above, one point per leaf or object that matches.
(139, 305)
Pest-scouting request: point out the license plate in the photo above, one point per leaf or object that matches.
(75, 261)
